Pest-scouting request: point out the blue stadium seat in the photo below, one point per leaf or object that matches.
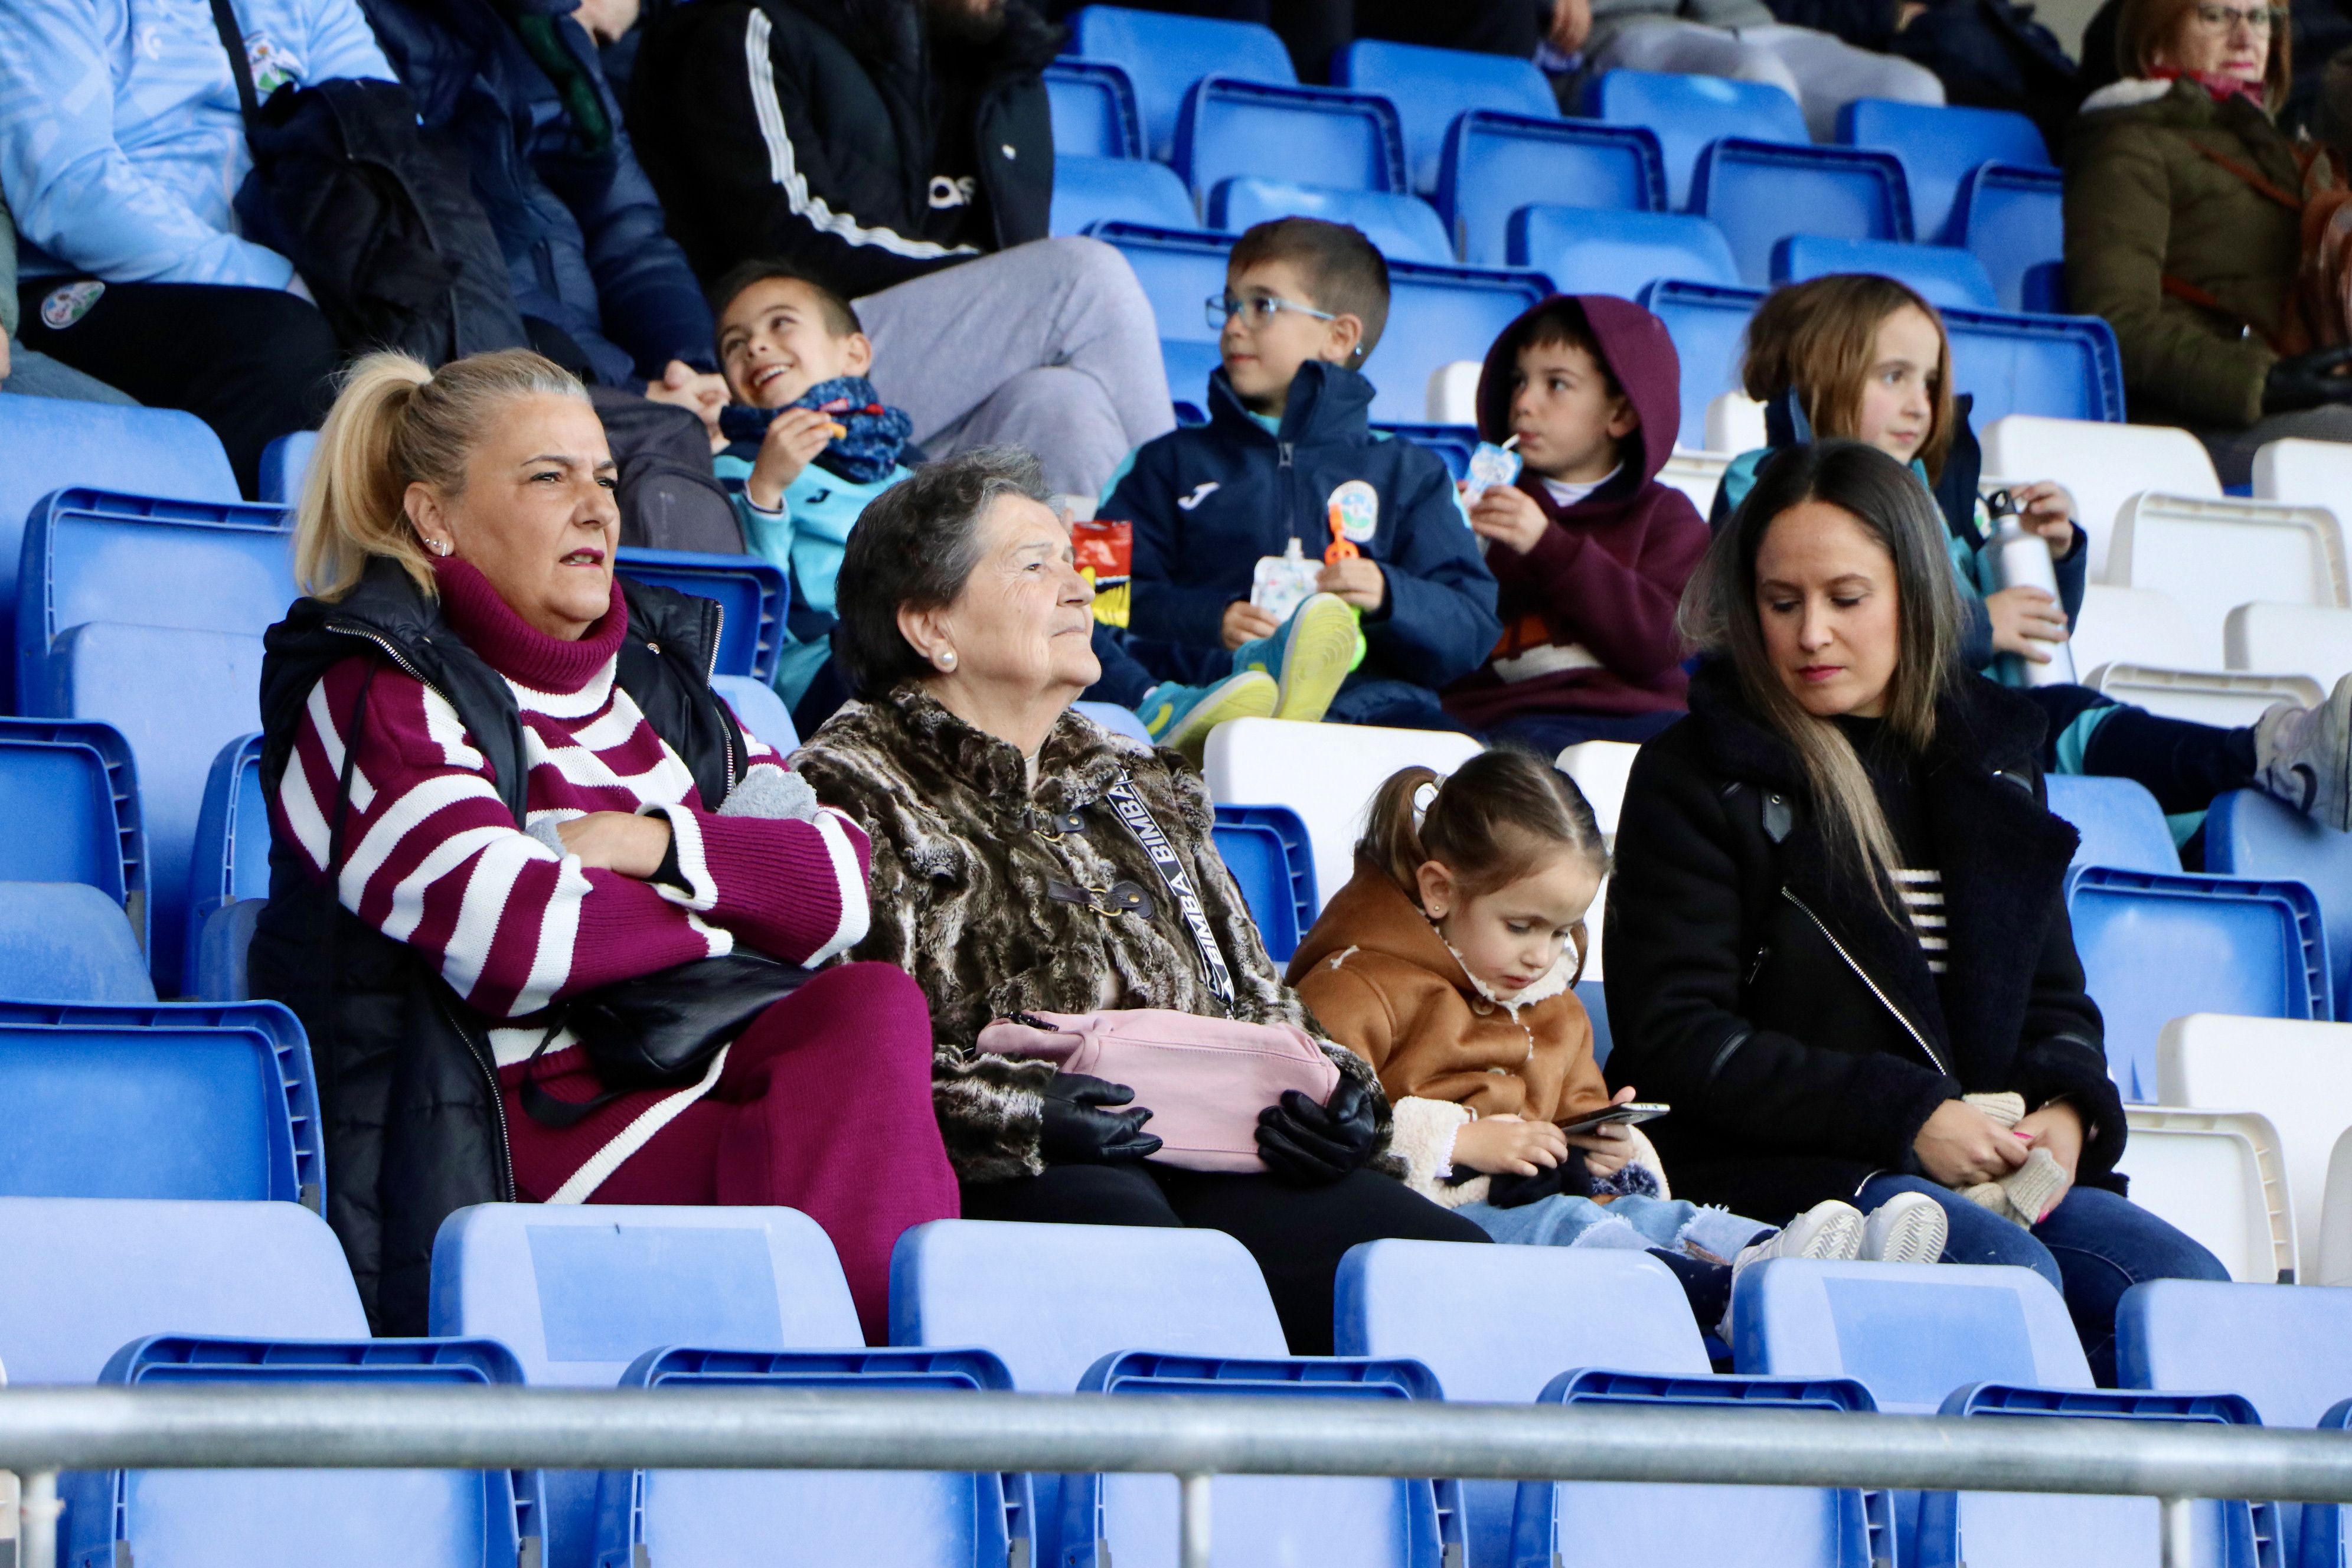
(1088, 191)
(752, 594)
(937, 1521)
(88, 1276)
(90, 555)
(1709, 326)
(284, 464)
(1595, 997)
(1944, 277)
(1431, 88)
(1052, 1299)
(1911, 1333)
(1496, 163)
(2066, 367)
(176, 1101)
(579, 1293)
(1438, 315)
(2014, 219)
(1939, 148)
(2042, 290)
(229, 860)
(1181, 270)
(2120, 823)
(1298, 855)
(1689, 113)
(1632, 1339)
(223, 942)
(1261, 866)
(1189, 367)
(2286, 1348)
(1163, 55)
(2156, 948)
(72, 794)
(1316, 136)
(178, 696)
(67, 942)
(759, 711)
(1119, 721)
(1760, 193)
(1455, 443)
(363, 1519)
(1956, 1529)
(54, 443)
(2248, 833)
(1263, 1521)
(1404, 227)
(1588, 250)
(1094, 110)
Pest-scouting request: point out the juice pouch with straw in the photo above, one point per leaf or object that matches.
(1282, 582)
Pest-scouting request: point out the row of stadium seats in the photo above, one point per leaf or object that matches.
(233, 1293)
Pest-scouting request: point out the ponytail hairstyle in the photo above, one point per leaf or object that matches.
(1720, 616)
(394, 424)
(1495, 819)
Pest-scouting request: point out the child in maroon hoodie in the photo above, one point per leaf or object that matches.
(1590, 550)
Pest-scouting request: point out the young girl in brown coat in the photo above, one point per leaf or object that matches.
(1449, 963)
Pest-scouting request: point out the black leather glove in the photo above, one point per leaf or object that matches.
(1312, 1145)
(2307, 381)
(1080, 1132)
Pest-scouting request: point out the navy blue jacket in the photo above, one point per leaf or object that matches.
(1207, 502)
(578, 220)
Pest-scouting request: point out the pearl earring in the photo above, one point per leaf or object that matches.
(947, 659)
(439, 546)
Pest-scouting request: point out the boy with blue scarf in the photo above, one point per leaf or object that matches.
(810, 442)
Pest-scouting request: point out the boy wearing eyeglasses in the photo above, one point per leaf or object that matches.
(1288, 458)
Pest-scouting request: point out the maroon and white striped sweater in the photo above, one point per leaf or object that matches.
(433, 857)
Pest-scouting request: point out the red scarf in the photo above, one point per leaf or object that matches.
(2221, 87)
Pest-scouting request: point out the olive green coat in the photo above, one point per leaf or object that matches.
(2143, 201)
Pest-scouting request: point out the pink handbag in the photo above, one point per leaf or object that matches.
(1203, 1079)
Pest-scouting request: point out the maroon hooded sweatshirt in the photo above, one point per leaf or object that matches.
(1589, 613)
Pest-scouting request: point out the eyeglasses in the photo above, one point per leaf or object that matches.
(1257, 310)
(2258, 19)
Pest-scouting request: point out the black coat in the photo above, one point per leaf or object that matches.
(408, 1084)
(1790, 1020)
(823, 153)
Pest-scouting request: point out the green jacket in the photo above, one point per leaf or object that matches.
(2142, 203)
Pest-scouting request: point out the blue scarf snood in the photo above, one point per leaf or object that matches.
(876, 432)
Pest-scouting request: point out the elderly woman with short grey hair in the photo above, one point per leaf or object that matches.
(1006, 883)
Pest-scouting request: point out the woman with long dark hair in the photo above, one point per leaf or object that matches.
(1838, 941)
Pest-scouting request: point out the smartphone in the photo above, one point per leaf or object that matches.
(1625, 1115)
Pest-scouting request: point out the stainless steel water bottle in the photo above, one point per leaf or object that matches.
(2021, 559)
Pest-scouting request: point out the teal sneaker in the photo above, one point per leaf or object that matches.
(1309, 657)
(1180, 717)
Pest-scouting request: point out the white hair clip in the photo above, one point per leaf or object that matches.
(1423, 799)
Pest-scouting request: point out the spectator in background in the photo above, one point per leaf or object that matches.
(601, 288)
(874, 145)
(2321, 33)
(1742, 39)
(22, 372)
(2184, 228)
(121, 151)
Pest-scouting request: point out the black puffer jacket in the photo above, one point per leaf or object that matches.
(812, 131)
(406, 1084)
(1793, 1024)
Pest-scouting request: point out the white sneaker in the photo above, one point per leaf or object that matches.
(1909, 1227)
(1831, 1230)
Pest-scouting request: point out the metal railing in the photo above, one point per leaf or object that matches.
(45, 1430)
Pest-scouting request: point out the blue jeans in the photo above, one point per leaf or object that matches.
(2093, 1246)
(1635, 1222)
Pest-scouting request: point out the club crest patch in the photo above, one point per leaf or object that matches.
(61, 307)
(1357, 505)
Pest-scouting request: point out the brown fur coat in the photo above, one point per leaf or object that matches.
(958, 894)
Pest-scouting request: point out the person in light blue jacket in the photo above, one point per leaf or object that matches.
(120, 152)
(795, 360)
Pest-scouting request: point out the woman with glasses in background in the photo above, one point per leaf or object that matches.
(2185, 221)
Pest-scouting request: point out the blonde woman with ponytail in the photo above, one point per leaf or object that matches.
(1450, 961)
(1837, 936)
(535, 894)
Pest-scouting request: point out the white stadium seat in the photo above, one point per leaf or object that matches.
(2102, 465)
(2227, 697)
(2218, 1175)
(2130, 625)
(2313, 473)
(2307, 639)
(2213, 556)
